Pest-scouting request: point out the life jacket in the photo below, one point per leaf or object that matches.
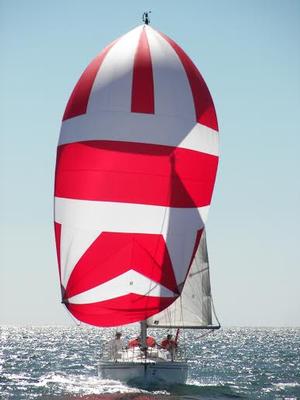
(150, 341)
(167, 344)
(134, 343)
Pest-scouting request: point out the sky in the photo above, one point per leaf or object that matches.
(249, 54)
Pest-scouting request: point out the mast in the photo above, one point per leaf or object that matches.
(143, 335)
(146, 18)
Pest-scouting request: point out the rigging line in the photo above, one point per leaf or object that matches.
(184, 343)
(214, 311)
(210, 331)
(170, 194)
(181, 312)
(73, 319)
(197, 288)
(169, 314)
(202, 288)
(166, 240)
(210, 294)
(198, 272)
(157, 244)
(64, 269)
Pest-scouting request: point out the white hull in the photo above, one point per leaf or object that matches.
(156, 368)
(145, 373)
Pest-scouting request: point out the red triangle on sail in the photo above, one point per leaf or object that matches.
(112, 254)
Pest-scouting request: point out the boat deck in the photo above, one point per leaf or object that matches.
(136, 355)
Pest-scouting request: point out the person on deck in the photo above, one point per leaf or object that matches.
(150, 341)
(169, 344)
(116, 345)
(134, 342)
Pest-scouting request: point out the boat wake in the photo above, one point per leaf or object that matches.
(29, 370)
(72, 387)
(55, 382)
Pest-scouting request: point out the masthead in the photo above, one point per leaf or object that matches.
(146, 18)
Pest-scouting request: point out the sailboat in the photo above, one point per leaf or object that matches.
(193, 309)
(136, 164)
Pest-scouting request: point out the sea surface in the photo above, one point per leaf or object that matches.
(232, 363)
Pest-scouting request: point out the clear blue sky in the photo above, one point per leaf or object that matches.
(249, 54)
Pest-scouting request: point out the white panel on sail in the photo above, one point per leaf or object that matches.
(194, 307)
(112, 86)
(118, 286)
(170, 79)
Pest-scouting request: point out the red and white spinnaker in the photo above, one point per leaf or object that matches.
(136, 166)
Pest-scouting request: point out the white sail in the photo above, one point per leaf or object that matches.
(194, 308)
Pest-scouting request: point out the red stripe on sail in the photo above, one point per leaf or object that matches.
(57, 231)
(113, 254)
(119, 311)
(142, 96)
(204, 106)
(79, 98)
(135, 173)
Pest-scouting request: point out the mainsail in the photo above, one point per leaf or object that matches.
(194, 307)
(136, 165)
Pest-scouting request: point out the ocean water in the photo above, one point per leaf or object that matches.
(236, 363)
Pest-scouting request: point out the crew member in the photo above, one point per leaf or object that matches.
(168, 343)
(134, 342)
(116, 345)
(150, 341)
